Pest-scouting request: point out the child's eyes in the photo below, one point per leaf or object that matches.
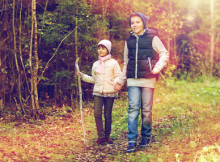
(101, 48)
(137, 22)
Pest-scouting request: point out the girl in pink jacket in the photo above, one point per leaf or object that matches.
(105, 71)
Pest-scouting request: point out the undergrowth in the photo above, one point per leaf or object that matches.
(185, 128)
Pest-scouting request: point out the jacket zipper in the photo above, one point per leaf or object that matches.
(136, 57)
(149, 60)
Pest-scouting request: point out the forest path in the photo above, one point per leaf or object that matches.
(61, 139)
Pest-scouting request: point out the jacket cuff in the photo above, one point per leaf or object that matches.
(159, 67)
(120, 81)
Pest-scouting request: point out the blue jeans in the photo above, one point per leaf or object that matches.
(139, 98)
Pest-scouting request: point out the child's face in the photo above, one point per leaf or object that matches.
(102, 51)
(137, 25)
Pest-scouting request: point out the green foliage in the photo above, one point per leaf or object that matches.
(185, 23)
(53, 28)
(60, 76)
(69, 109)
(143, 157)
(169, 72)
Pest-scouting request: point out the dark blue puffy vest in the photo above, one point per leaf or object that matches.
(141, 56)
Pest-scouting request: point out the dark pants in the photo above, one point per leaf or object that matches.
(108, 104)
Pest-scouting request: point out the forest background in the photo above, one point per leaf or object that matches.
(41, 39)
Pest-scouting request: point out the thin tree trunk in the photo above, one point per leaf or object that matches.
(87, 63)
(174, 50)
(104, 31)
(21, 56)
(15, 54)
(105, 4)
(30, 63)
(45, 9)
(22, 62)
(170, 27)
(76, 48)
(212, 43)
(36, 67)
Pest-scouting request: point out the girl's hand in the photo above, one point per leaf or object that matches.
(155, 70)
(79, 73)
(117, 86)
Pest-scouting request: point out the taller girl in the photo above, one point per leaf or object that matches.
(144, 57)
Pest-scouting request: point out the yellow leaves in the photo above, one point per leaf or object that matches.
(216, 126)
(177, 157)
(208, 153)
(50, 140)
(159, 159)
(157, 100)
(170, 69)
(192, 144)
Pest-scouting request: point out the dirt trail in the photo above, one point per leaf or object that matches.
(61, 139)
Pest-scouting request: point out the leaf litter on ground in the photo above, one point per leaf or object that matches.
(176, 136)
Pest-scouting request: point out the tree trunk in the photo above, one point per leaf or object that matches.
(30, 63)
(212, 43)
(21, 56)
(174, 51)
(87, 93)
(76, 52)
(45, 9)
(34, 62)
(15, 55)
(22, 62)
(170, 27)
(105, 4)
(35, 56)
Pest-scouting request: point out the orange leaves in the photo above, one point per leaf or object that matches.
(176, 137)
(53, 139)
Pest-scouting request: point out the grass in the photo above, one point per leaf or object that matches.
(185, 128)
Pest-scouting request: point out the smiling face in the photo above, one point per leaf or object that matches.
(137, 25)
(102, 51)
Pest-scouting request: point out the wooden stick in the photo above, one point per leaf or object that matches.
(162, 76)
(80, 96)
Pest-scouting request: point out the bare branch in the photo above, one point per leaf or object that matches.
(46, 66)
(80, 96)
